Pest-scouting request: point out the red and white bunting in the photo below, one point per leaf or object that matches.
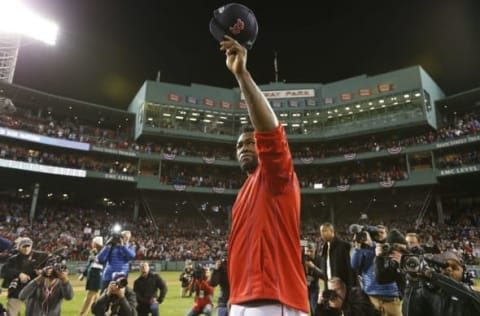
(293, 103)
(192, 100)
(350, 156)
(218, 190)
(346, 96)
(226, 105)
(387, 184)
(174, 97)
(208, 160)
(179, 187)
(276, 104)
(169, 156)
(311, 102)
(394, 150)
(242, 105)
(365, 92)
(307, 160)
(385, 87)
(208, 102)
(343, 188)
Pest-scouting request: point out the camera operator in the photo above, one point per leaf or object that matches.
(44, 295)
(385, 297)
(441, 293)
(116, 255)
(387, 260)
(220, 277)
(118, 299)
(146, 287)
(313, 274)
(19, 269)
(203, 293)
(339, 299)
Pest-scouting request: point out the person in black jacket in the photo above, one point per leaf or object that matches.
(339, 299)
(220, 277)
(19, 270)
(146, 287)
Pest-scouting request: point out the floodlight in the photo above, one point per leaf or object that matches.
(18, 19)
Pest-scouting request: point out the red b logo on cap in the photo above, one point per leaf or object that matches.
(237, 27)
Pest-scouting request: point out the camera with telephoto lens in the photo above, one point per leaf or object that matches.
(121, 282)
(199, 272)
(361, 232)
(56, 264)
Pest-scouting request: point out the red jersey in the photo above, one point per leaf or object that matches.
(264, 253)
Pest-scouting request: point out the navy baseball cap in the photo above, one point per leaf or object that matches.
(237, 21)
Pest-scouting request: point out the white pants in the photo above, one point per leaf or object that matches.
(271, 310)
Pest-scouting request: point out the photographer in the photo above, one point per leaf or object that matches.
(385, 297)
(203, 293)
(441, 293)
(313, 274)
(116, 255)
(44, 295)
(117, 299)
(19, 270)
(339, 299)
(220, 277)
(186, 278)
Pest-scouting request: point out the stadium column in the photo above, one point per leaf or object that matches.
(33, 206)
(332, 213)
(438, 202)
(135, 209)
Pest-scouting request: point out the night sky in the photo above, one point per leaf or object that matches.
(106, 49)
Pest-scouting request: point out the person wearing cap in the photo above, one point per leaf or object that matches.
(117, 298)
(19, 269)
(441, 293)
(313, 273)
(264, 262)
(44, 295)
(93, 272)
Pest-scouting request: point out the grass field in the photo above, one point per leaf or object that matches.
(173, 305)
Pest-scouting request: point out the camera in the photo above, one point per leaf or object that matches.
(55, 264)
(121, 282)
(417, 263)
(328, 295)
(360, 233)
(115, 236)
(199, 272)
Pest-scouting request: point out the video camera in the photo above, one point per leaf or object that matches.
(328, 295)
(56, 264)
(115, 236)
(360, 233)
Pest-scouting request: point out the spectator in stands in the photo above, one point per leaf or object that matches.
(118, 299)
(5, 244)
(150, 290)
(93, 271)
(266, 214)
(116, 255)
(19, 270)
(44, 294)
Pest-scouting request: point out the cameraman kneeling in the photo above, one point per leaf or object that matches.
(45, 293)
(339, 299)
(117, 299)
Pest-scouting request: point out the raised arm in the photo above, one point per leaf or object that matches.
(261, 114)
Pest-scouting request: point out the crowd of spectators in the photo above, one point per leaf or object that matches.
(189, 235)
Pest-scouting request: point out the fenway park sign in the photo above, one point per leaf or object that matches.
(288, 94)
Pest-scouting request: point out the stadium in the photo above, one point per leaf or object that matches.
(389, 149)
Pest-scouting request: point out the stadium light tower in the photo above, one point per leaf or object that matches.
(16, 20)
